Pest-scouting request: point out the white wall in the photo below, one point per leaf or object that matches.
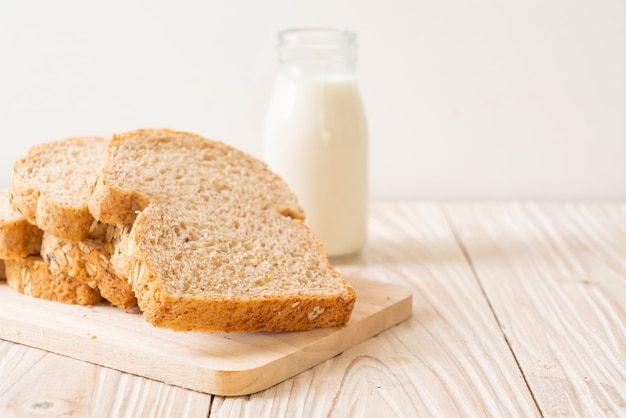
(482, 99)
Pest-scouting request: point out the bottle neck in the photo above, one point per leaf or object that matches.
(317, 52)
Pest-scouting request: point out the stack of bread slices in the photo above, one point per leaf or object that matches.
(198, 234)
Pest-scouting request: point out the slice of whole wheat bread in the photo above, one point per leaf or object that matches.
(217, 240)
(88, 261)
(50, 185)
(31, 276)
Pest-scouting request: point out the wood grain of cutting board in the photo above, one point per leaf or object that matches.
(225, 364)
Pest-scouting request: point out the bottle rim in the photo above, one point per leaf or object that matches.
(316, 37)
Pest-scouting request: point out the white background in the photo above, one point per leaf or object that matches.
(482, 99)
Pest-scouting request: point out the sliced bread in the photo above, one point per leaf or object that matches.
(183, 168)
(18, 238)
(31, 276)
(217, 241)
(89, 262)
(25, 271)
(50, 185)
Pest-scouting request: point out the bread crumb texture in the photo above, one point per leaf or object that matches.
(218, 241)
(50, 186)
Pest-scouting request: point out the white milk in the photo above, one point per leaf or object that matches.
(316, 139)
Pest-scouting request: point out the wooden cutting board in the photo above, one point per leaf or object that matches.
(225, 364)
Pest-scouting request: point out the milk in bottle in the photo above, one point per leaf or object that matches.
(316, 135)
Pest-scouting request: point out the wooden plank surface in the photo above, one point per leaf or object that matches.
(449, 359)
(216, 363)
(36, 383)
(518, 310)
(555, 275)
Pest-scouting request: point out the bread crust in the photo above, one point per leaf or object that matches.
(109, 204)
(31, 276)
(18, 238)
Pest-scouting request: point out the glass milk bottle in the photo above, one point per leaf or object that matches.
(316, 134)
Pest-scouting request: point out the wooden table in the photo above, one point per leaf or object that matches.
(519, 309)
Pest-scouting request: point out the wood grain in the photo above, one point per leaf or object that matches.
(36, 383)
(218, 363)
(519, 310)
(448, 359)
(555, 275)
